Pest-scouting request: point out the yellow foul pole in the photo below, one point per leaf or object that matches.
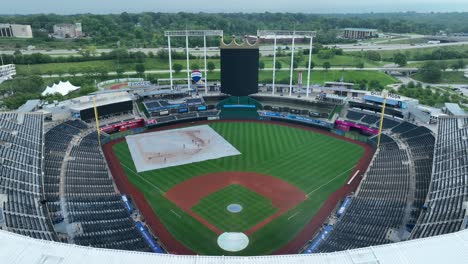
(385, 94)
(96, 117)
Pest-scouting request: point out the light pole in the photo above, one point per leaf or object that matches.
(384, 94)
(287, 34)
(292, 64)
(187, 34)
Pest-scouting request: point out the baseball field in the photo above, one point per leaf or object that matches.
(275, 187)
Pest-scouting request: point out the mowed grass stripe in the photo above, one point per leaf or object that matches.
(214, 208)
(303, 158)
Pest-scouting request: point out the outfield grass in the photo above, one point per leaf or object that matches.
(255, 208)
(315, 163)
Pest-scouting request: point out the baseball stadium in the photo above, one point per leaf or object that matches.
(233, 172)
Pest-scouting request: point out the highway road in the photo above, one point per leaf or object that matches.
(377, 47)
(266, 69)
(264, 49)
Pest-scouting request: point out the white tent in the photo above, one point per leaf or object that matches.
(62, 88)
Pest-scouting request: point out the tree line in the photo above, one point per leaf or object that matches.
(146, 29)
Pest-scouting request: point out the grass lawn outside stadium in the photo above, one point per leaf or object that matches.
(315, 163)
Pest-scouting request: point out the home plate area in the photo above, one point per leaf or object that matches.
(235, 204)
(162, 149)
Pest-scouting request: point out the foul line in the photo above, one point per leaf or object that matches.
(330, 181)
(354, 176)
(289, 218)
(175, 213)
(150, 183)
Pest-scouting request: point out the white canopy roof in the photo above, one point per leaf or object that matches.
(450, 248)
(62, 88)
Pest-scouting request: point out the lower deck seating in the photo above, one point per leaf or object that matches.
(21, 188)
(91, 200)
(378, 206)
(443, 211)
(382, 201)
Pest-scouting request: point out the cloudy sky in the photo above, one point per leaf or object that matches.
(305, 6)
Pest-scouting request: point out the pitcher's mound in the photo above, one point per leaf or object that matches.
(234, 208)
(233, 242)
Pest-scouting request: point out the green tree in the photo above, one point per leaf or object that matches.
(375, 85)
(210, 66)
(140, 68)
(87, 89)
(312, 64)
(120, 71)
(430, 72)
(326, 54)
(443, 65)
(326, 65)
(177, 67)
(337, 51)
(295, 64)
(59, 72)
(373, 55)
(360, 65)
(102, 73)
(195, 66)
(278, 65)
(261, 65)
(458, 65)
(400, 59)
(362, 84)
(163, 54)
(88, 51)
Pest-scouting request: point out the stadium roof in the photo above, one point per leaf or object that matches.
(86, 102)
(450, 248)
(29, 106)
(454, 109)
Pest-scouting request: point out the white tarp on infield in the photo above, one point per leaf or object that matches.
(151, 151)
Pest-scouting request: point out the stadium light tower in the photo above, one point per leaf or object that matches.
(281, 34)
(187, 34)
(384, 94)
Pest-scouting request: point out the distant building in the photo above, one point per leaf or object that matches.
(15, 31)
(360, 33)
(7, 72)
(68, 30)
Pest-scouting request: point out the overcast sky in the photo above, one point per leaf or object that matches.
(304, 6)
